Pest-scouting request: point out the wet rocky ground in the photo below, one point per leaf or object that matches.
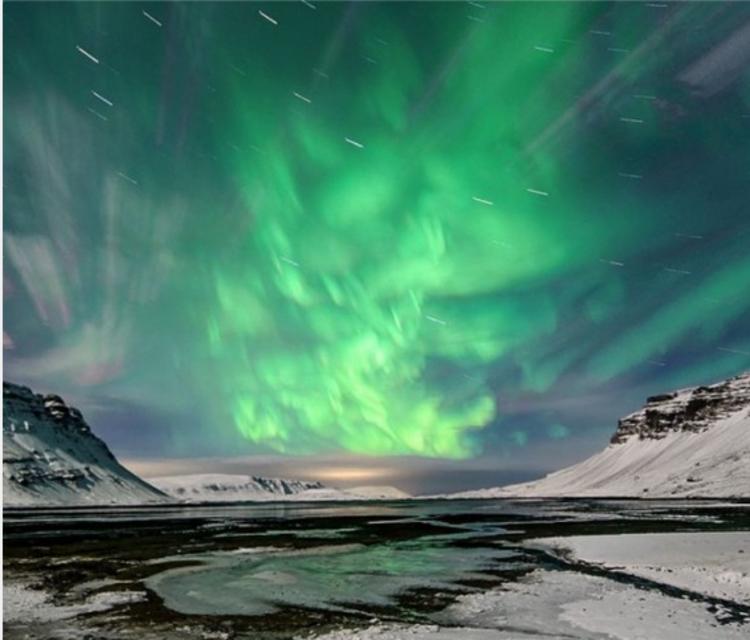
(118, 573)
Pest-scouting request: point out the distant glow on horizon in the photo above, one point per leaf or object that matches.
(349, 474)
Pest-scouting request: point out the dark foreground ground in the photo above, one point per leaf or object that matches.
(284, 570)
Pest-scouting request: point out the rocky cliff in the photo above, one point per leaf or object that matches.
(690, 410)
(51, 457)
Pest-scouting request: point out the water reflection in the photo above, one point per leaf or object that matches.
(342, 577)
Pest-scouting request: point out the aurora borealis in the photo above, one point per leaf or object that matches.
(380, 229)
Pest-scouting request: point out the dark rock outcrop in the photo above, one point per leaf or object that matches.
(693, 410)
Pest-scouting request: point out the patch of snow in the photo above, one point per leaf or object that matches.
(24, 605)
(712, 563)
(558, 605)
(416, 632)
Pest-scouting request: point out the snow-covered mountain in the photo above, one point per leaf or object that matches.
(379, 492)
(690, 443)
(217, 487)
(242, 488)
(51, 457)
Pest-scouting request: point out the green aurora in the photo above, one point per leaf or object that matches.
(369, 227)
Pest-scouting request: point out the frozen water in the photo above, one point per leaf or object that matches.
(338, 577)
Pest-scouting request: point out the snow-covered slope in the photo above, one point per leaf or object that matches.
(50, 457)
(690, 443)
(241, 488)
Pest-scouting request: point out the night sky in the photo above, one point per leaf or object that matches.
(440, 245)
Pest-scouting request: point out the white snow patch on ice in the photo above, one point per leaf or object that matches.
(712, 563)
(23, 605)
(557, 605)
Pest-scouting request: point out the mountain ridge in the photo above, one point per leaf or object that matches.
(219, 487)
